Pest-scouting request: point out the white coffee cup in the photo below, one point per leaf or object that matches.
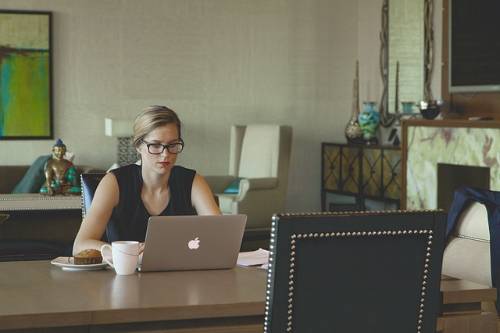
(124, 254)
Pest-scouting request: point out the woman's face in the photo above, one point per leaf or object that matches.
(164, 161)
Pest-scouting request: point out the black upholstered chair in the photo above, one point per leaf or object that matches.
(89, 182)
(355, 272)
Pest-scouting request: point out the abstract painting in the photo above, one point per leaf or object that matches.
(25, 75)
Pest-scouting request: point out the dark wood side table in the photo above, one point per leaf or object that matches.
(36, 226)
(467, 307)
(364, 172)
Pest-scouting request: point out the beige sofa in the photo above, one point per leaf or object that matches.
(11, 175)
(467, 254)
(259, 156)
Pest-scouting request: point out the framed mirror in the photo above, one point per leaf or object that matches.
(406, 56)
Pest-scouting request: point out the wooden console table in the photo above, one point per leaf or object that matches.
(364, 172)
(37, 202)
(37, 217)
(39, 297)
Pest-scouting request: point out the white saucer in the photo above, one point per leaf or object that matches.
(67, 264)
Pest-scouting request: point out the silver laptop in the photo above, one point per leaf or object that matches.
(192, 242)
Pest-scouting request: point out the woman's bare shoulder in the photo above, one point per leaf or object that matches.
(108, 182)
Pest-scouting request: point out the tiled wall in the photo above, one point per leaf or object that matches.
(428, 146)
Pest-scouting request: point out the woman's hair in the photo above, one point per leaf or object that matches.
(151, 118)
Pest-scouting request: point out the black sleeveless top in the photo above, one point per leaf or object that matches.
(129, 218)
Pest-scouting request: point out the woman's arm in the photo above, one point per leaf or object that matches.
(94, 224)
(202, 197)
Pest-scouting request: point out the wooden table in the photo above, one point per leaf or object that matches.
(36, 295)
(467, 307)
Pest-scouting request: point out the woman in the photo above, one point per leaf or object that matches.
(127, 196)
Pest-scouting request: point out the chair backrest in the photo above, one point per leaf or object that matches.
(473, 243)
(259, 151)
(355, 272)
(89, 182)
(467, 254)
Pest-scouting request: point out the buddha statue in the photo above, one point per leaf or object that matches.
(60, 174)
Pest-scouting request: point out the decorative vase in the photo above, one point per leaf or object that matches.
(353, 132)
(407, 107)
(369, 120)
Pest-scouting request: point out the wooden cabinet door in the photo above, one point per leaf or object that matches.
(372, 172)
(350, 169)
(331, 167)
(391, 174)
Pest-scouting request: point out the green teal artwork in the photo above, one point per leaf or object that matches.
(25, 75)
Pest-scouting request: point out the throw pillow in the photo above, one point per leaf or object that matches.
(34, 178)
(234, 187)
(70, 156)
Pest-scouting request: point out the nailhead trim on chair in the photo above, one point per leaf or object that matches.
(82, 197)
(372, 233)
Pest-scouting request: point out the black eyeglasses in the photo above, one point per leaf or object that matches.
(158, 148)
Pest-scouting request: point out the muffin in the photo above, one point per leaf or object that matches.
(88, 257)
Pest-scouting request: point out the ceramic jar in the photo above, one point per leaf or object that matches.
(369, 120)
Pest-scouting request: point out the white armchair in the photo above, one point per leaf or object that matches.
(259, 157)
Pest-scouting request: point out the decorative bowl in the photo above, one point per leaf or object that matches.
(430, 110)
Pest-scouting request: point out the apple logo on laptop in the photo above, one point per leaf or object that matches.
(194, 244)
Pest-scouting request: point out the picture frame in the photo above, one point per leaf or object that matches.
(26, 103)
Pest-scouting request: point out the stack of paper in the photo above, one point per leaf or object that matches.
(258, 258)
